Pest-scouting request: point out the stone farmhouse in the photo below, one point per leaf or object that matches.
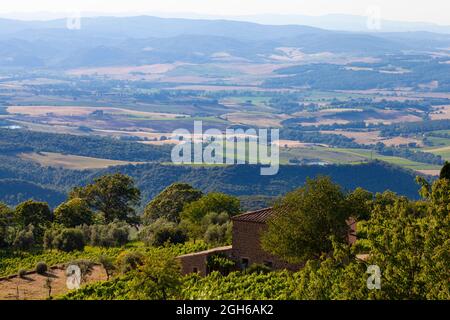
(246, 245)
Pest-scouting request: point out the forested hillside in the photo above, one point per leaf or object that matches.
(243, 180)
(15, 191)
(15, 141)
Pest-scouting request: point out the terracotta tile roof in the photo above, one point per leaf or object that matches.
(259, 216)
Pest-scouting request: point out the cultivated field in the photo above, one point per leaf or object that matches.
(364, 137)
(440, 113)
(397, 141)
(262, 120)
(85, 111)
(49, 159)
(147, 72)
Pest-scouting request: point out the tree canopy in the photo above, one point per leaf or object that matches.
(306, 219)
(74, 212)
(33, 213)
(445, 171)
(212, 202)
(170, 202)
(114, 196)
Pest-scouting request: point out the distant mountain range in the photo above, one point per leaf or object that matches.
(341, 22)
(345, 22)
(144, 39)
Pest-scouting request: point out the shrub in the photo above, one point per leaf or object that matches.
(107, 264)
(22, 273)
(220, 262)
(161, 232)
(128, 261)
(159, 278)
(68, 240)
(258, 268)
(216, 218)
(218, 234)
(24, 239)
(41, 268)
(114, 234)
(49, 236)
(215, 228)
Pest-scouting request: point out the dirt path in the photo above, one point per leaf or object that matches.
(32, 287)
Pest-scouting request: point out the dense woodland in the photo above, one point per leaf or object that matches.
(16, 141)
(52, 184)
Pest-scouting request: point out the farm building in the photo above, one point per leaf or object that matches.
(246, 245)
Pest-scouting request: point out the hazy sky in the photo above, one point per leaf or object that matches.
(436, 11)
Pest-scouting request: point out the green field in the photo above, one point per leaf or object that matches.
(346, 156)
(444, 152)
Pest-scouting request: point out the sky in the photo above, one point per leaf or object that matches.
(434, 11)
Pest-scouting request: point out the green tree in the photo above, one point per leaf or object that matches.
(37, 214)
(170, 202)
(25, 238)
(306, 219)
(74, 212)
(114, 234)
(359, 202)
(6, 223)
(5, 213)
(218, 234)
(114, 196)
(159, 278)
(213, 208)
(410, 243)
(212, 202)
(67, 240)
(161, 232)
(445, 171)
(339, 276)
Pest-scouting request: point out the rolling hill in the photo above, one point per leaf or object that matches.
(105, 41)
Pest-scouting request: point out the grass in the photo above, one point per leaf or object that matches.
(328, 155)
(438, 142)
(443, 152)
(370, 155)
(349, 156)
(440, 146)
